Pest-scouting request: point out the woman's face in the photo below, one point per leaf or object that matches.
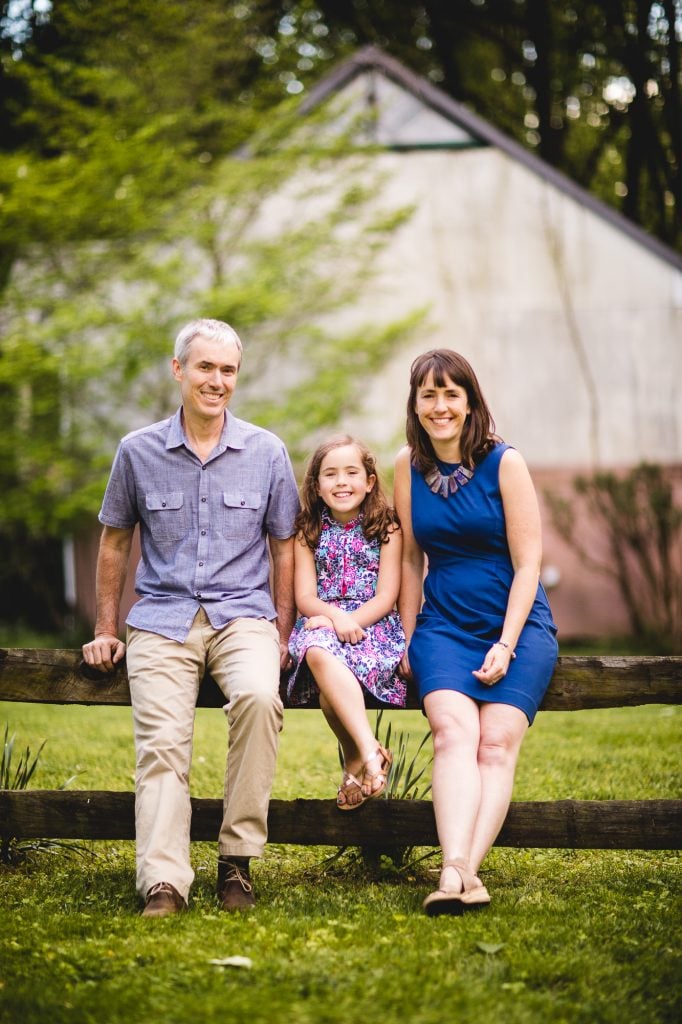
(442, 411)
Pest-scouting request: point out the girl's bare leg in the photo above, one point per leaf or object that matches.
(343, 704)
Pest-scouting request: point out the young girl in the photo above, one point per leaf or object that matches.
(348, 640)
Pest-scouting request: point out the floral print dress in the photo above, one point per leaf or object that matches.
(347, 566)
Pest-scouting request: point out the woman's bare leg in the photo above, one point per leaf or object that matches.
(456, 782)
(503, 728)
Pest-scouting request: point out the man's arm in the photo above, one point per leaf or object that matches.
(282, 552)
(112, 565)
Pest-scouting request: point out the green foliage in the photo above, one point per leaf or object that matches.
(641, 516)
(13, 850)
(579, 935)
(19, 777)
(406, 771)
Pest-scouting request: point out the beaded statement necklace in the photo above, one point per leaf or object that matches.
(445, 485)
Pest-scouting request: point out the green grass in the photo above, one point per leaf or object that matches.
(571, 936)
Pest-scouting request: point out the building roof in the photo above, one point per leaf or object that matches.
(456, 125)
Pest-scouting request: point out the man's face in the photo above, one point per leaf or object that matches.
(208, 378)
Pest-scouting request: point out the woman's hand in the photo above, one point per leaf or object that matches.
(319, 622)
(347, 629)
(404, 670)
(495, 665)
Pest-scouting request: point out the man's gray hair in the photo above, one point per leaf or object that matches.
(214, 330)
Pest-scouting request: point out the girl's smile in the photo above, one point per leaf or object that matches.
(343, 483)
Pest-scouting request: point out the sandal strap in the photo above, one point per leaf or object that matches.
(386, 762)
(349, 779)
(349, 785)
(469, 879)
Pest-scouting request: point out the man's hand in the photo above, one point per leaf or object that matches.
(104, 652)
(285, 659)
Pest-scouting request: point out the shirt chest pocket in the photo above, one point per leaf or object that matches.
(166, 516)
(241, 513)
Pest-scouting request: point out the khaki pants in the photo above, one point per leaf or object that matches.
(164, 676)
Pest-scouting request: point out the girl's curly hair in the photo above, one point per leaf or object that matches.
(379, 519)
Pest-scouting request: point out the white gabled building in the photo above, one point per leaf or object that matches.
(570, 314)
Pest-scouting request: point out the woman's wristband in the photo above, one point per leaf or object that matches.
(501, 643)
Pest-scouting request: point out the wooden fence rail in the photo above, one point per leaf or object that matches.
(579, 683)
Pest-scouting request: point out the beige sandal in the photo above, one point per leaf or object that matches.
(369, 778)
(473, 895)
(349, 784)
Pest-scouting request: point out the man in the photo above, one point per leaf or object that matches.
(211, 494)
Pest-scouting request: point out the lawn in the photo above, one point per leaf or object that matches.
(571, 936)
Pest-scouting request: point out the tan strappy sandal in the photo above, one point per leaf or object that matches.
(473, 896)
(369, 778)
(349, 785)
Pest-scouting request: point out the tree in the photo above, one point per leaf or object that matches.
(119, 219)
(641, 516)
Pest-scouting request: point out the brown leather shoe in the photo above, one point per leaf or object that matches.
(235, 890)
(163, 899)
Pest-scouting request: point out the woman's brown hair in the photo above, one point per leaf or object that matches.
(378, 518)
(478, 434)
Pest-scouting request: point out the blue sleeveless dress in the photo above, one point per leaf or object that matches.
(466, 592)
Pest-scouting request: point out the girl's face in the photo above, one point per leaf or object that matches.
(343, 482)
(442, 411)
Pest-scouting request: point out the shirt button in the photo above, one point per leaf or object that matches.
(242, 502)
(198, 593)
(203, 533)
(203, 499)
(201, 563)
(203, 468)
(163, 504)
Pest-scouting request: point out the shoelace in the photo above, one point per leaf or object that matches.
(161, 887)
(236, 874)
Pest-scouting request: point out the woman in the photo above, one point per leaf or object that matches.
(483, 647)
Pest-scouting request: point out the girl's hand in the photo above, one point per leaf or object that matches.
(319, 622)
(495, 666)
(347, 629)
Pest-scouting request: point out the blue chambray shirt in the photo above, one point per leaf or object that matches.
(203, 528)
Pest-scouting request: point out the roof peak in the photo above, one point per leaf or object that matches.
(373, 58)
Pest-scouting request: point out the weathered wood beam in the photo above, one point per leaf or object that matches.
(56, 677)
(380, 824)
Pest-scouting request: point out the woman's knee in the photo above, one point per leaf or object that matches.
(498, 747)
(502, 731)
(450, 734)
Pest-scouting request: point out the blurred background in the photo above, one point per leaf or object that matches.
(348, 184)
